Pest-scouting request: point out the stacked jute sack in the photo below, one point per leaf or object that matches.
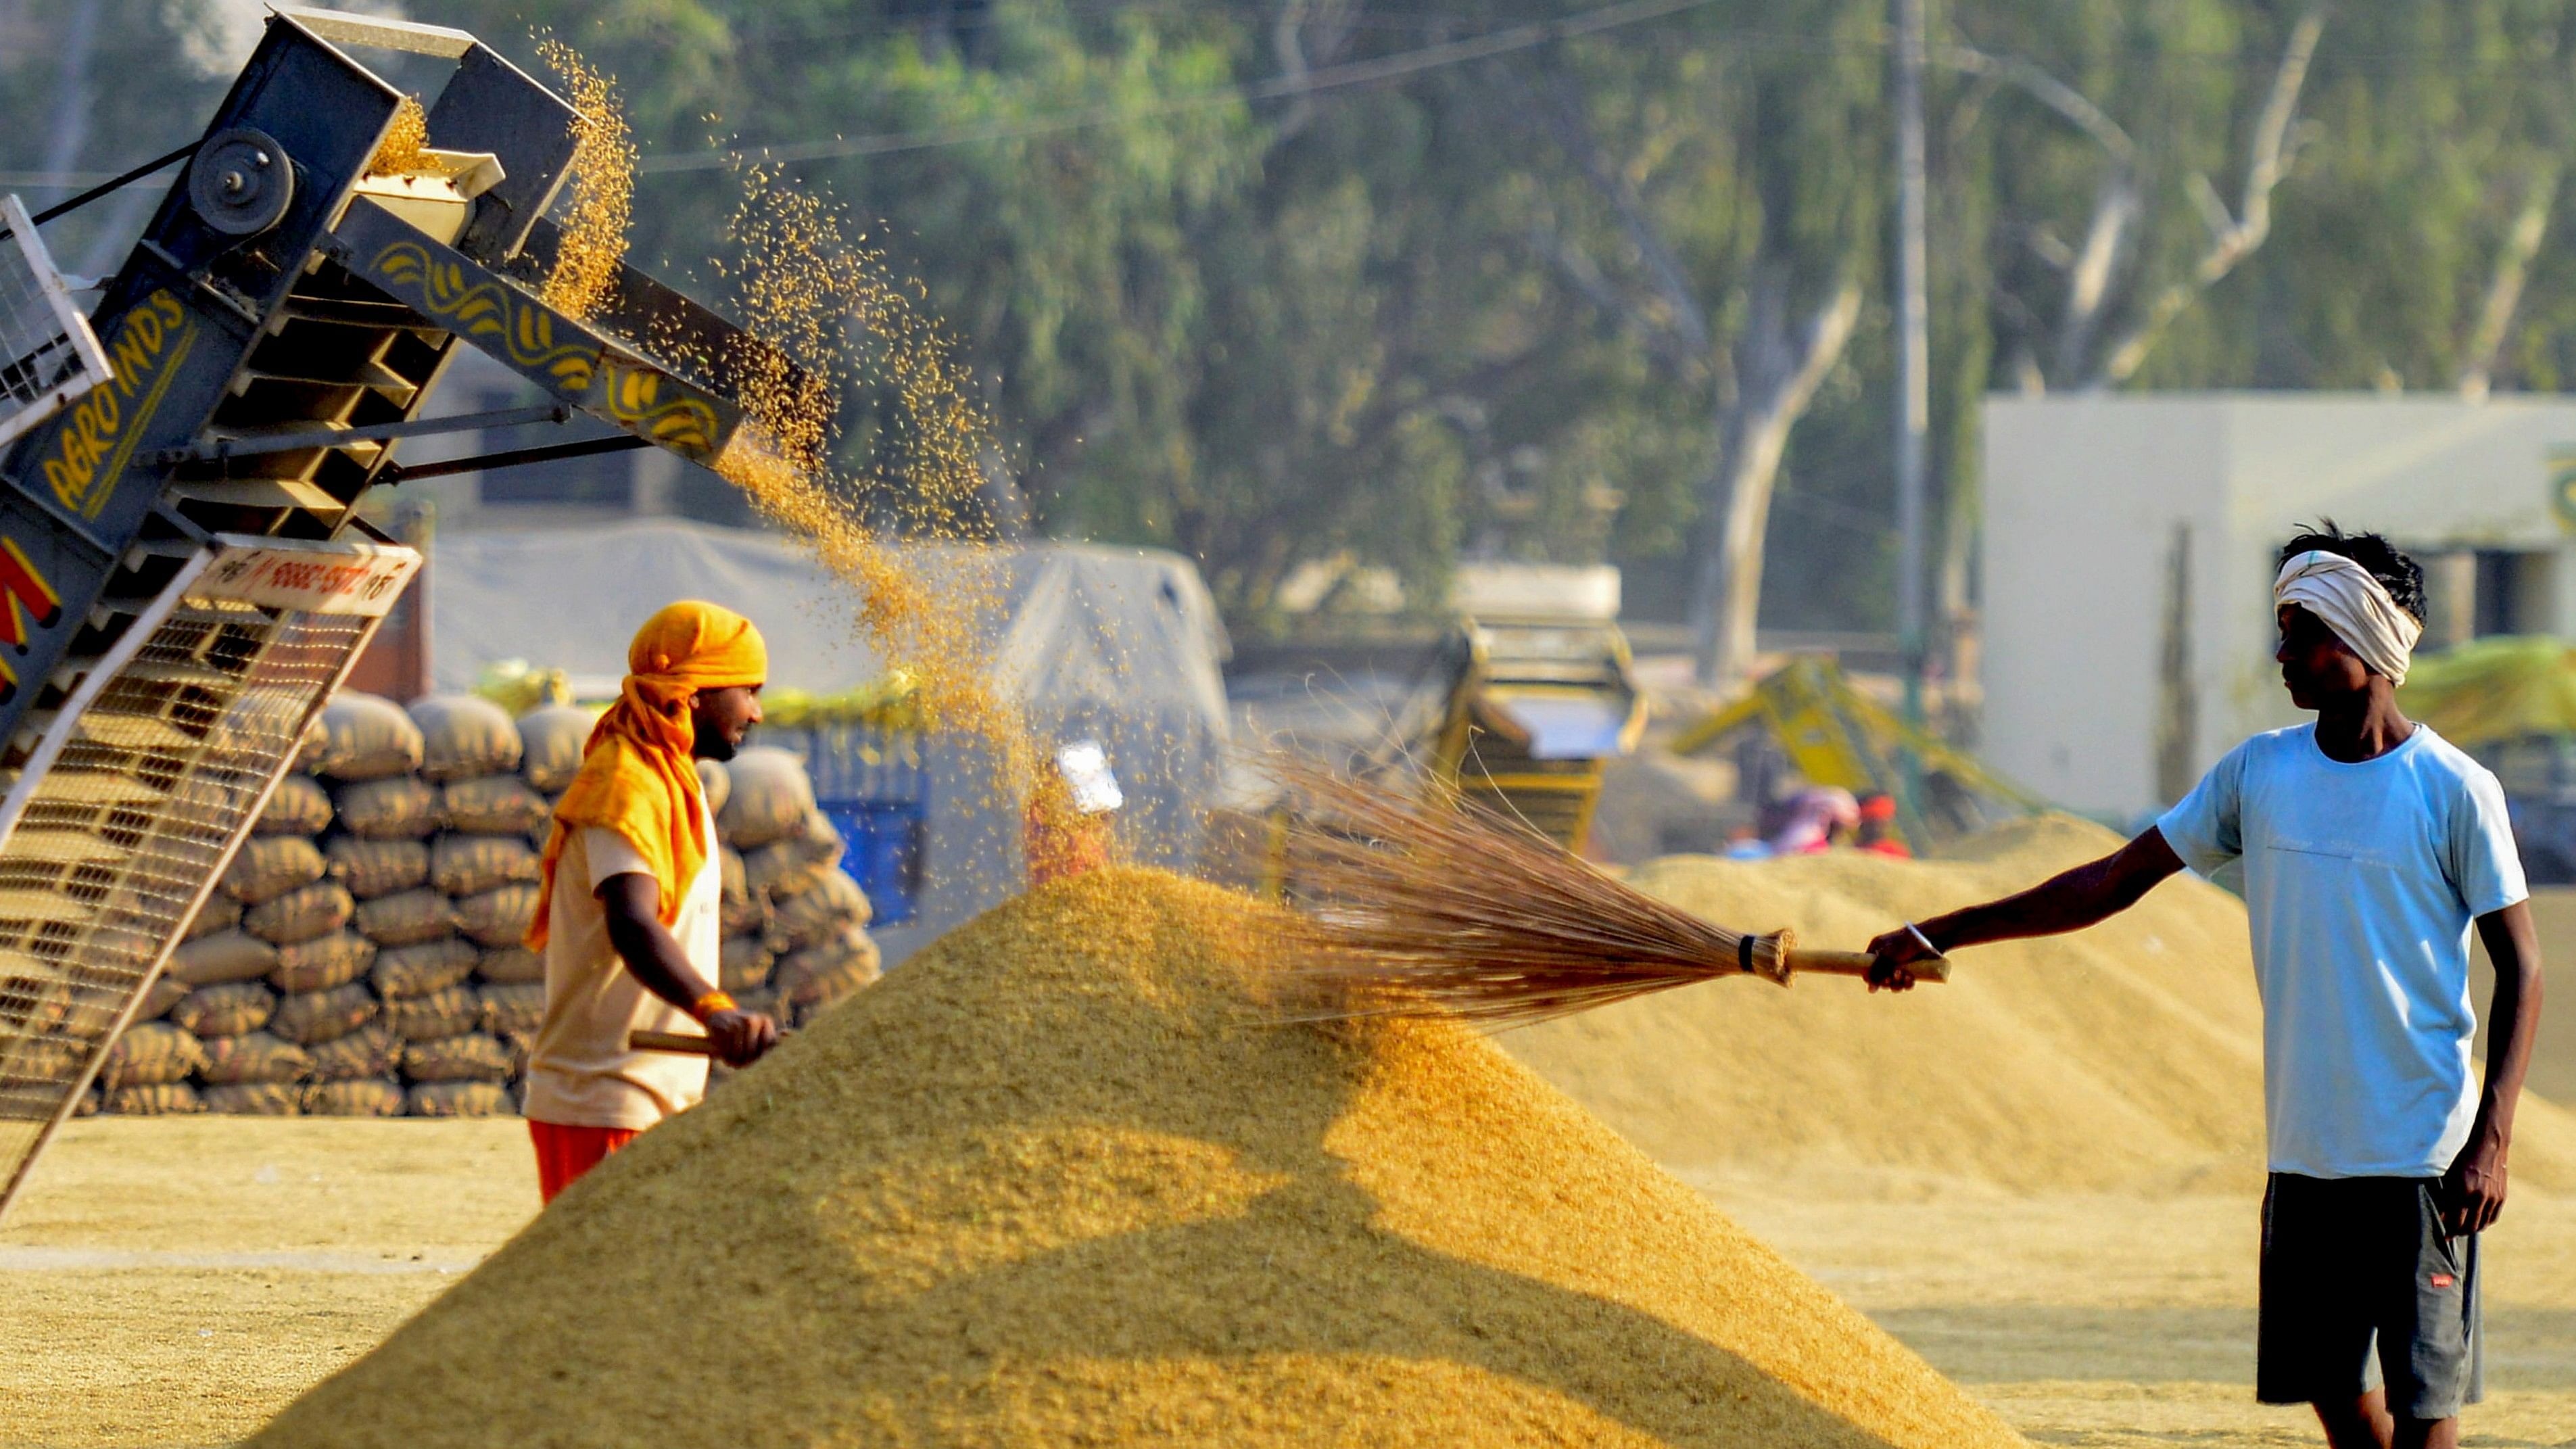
(795, 924)
(362, 956)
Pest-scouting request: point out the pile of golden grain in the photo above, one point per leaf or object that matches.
(1055, 1182)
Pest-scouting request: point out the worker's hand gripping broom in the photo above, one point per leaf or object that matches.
(1433, 906)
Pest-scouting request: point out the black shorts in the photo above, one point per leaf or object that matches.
(2361, 1286)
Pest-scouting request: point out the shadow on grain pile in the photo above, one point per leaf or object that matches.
(1053, 1183)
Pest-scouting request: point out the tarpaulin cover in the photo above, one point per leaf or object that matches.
(1119, 645)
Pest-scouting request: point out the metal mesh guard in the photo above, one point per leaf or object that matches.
(144, 787)
(48, 355)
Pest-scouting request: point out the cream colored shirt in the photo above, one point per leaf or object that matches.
(581, 1073)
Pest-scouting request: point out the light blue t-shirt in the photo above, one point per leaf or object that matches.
(2362, 881)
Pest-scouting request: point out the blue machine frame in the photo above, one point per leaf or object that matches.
(319, 323)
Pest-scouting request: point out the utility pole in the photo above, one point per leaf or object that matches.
(1913, 353)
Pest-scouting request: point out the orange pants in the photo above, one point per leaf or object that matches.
(564, 1153)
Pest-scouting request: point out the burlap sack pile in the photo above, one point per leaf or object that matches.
(334, 970)
(795, 924)
(481, 813)
(361, 956)
(271, 973)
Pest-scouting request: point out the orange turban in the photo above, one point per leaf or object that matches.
(637, 777)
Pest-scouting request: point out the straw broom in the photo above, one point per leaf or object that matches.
(1434, 906)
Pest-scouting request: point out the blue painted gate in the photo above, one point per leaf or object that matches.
(871, 784)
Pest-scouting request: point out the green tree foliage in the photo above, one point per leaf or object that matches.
(1549, 302)
(1692, 216)
(70, 101)
(2415, 230)
(1265, 335)
(2415, 252)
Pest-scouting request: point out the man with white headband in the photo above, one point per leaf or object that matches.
(2371, 848)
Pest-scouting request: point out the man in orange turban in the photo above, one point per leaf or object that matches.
(629, 914)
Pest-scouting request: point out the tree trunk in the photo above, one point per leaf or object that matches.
(2231, 238)
(1777, 374)
(2089, 290)
(2177, 693)
(2504, 292)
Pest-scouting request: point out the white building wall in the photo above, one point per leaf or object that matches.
(2081, 500)
(2084, 498)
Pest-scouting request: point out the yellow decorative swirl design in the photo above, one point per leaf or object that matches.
(487, 310)
(633, 393)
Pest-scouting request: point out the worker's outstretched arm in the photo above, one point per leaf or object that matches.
(2092, 892)
(2474, 1187)
(633, 903)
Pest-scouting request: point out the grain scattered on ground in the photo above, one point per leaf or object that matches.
(2120, 1321)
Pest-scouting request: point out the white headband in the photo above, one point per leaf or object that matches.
(2354, 605)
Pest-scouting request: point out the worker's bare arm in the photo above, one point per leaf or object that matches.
(632, 901)
(2473, 1190)
(2090, 893)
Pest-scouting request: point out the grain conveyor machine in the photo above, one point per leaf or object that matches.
(184, 577)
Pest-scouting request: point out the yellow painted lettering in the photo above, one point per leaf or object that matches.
(70, 479)
(80, 441)
(130, 361)
(91, 432)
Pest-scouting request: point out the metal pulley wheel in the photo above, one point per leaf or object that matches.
(241, 181)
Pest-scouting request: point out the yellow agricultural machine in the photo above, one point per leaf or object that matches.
(1834, 734)
(1517, 713)
(1532, 711)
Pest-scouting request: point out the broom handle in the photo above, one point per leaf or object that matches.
(1856, 963)
(686, 1043)
(672, 1041)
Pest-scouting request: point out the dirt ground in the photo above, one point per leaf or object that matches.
(171, 1282)
(2126, 1322)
